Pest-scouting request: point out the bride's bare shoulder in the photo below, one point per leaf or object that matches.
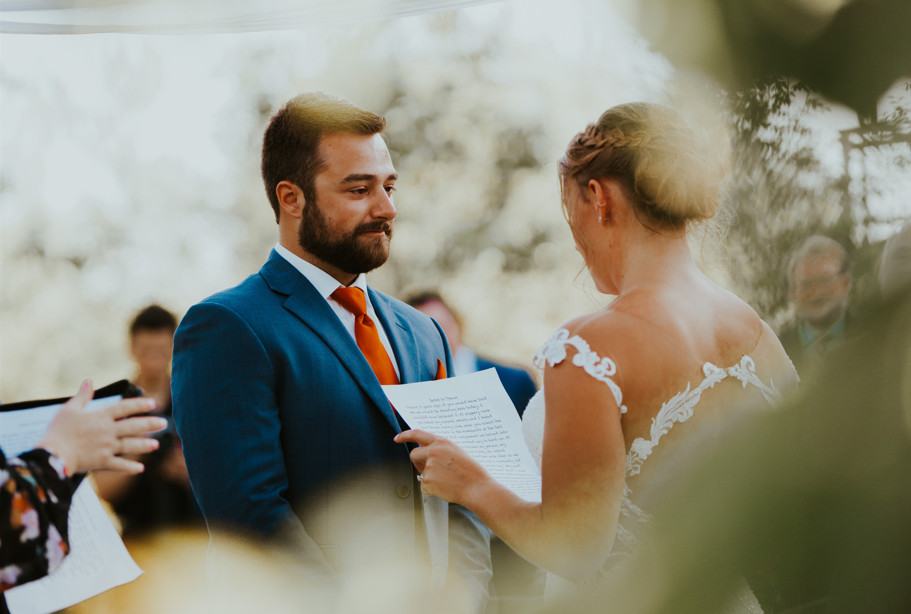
(595, 323)
(661, 324)
(608, 332)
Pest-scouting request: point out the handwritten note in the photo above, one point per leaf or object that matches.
(98, 560)
(474, 412)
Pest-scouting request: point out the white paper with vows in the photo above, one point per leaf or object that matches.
(98, 560)
(474, 412)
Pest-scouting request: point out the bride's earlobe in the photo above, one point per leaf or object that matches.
(600, 196)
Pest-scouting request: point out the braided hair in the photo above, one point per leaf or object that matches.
(655, 156)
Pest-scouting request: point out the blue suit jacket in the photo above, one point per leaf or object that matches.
(518, 383)
(278, 411)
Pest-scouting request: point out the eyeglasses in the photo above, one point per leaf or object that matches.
(805, 285)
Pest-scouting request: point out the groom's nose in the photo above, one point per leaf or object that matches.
(383, 208)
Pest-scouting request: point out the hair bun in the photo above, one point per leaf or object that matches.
(671, 175)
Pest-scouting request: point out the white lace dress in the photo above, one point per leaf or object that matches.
(675, 411)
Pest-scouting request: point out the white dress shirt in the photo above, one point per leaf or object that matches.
(326, 284)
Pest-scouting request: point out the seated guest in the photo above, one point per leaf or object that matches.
(819, 280)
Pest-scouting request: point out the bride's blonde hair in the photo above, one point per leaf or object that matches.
(651, 150)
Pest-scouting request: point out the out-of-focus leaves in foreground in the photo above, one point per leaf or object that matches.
(850, 51)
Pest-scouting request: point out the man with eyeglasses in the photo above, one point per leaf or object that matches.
(819, 280)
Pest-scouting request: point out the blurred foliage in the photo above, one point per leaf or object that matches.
(511, 148)
(851, 56)
(779, 193)
(850, 51)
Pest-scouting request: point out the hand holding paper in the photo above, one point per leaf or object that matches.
(446, 470)
(470, 430)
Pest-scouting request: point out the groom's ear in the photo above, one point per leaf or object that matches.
(290, 199)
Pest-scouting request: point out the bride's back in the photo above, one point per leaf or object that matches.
(686, 351)
(675, 358)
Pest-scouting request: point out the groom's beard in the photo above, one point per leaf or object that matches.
(353, 253)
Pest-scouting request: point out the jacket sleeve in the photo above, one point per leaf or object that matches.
(35, 497)
(227, 416)
(523, 389)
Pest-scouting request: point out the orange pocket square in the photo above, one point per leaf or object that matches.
(441, 370)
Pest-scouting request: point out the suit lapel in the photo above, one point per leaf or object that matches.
(306, 304)
(400, 334)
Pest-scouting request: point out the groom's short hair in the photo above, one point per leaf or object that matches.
(291, 141)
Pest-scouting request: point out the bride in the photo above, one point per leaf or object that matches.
(630, 388)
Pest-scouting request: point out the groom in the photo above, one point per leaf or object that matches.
(276, 382)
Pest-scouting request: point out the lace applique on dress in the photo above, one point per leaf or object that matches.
(746, 373)
(602, 369)
(679, 408)
(675, 410)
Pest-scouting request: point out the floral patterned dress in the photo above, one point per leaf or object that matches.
(35, 496)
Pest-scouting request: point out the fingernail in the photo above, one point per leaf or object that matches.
(86, 384)
(151, 403)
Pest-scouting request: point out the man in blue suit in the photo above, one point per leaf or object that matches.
(285, 427)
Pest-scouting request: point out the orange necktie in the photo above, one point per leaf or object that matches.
(365, 332)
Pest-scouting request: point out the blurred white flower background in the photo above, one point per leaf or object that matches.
(129, 167)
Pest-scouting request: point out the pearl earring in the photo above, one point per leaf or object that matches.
(601, 215)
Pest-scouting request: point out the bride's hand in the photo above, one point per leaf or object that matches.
(446, 470)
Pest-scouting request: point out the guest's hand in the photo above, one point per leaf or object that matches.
(90, 440)
(446, 470)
